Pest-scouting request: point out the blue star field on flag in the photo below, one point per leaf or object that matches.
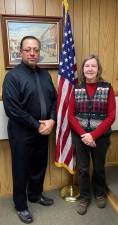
(66, 66)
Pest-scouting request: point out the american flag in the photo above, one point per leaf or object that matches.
(67, 78)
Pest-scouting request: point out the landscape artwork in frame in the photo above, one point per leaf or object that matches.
(47, 29)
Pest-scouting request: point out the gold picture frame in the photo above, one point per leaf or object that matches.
(47, 29)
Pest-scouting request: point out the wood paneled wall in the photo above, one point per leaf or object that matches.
(95, 30)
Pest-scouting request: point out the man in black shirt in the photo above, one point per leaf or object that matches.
(29, 99)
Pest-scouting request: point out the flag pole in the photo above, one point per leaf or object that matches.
(70, 192)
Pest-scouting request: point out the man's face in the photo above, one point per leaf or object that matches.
(30, 52)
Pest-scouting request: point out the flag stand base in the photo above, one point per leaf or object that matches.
(70, 193)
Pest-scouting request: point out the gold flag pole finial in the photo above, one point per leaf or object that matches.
(66, 6)
(65, 3)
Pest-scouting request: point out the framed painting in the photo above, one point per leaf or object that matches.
(47, 29)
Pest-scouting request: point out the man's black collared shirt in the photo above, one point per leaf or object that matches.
(21, 96)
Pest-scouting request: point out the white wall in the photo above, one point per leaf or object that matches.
(3, 123)
(115, 124)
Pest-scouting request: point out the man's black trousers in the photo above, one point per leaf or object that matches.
(29, 152)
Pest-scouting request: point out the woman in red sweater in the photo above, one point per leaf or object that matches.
(91, 113)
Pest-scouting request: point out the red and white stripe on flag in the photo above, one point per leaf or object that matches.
(66, 80)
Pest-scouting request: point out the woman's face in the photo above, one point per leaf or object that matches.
(90, 70)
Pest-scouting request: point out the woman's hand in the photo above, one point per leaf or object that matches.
(87, 139)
